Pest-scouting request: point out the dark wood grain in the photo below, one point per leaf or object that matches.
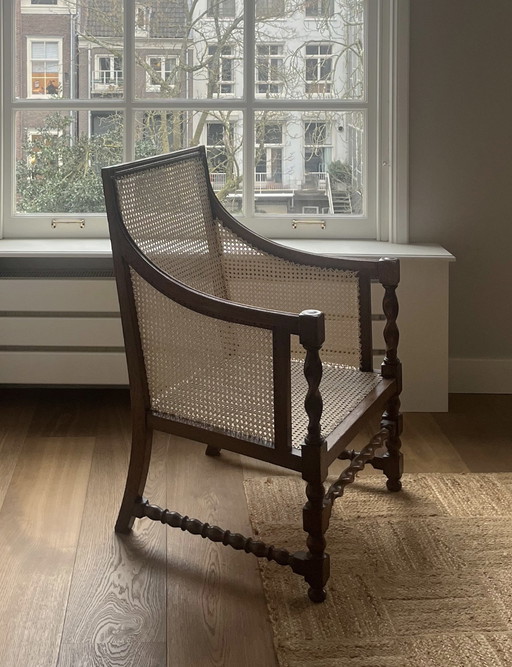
(66, 412)
(16, 411)
(479, 427)
(216, 613)
(39, 528)
(117, 598)
(113, 655)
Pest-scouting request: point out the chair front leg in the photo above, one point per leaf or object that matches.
(142, 440)
(317, 511)
(393, 460)
(316, 515)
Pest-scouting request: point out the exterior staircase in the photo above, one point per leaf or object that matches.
(341, 203)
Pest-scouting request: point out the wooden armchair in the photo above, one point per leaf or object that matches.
(223, 332)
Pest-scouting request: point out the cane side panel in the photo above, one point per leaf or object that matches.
(205, 370)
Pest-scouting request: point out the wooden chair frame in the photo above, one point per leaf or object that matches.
(318, 452)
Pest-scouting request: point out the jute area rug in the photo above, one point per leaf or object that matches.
(419, 578)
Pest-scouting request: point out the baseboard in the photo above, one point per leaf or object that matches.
(480, 376)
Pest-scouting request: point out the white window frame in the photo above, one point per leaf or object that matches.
(320, 6)
(156, 87)
(322, 83)
(224, 58)
(30, 61)
(325, 145)
(269, 7)
(268, 148)
(115, 84)
(216, 9)
(268, 58)
(62, 7)
(142, 20)
(386, 112)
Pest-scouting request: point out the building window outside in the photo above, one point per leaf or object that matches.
(318, 68)
(108, 73)
(45, 68)
(319, 8)
(219, 137)
(272, 8)
(317, 152)
(222, 70)
(142, 20)
(269, 69)
(161, 77)
(269, 154)
(220, 146)
(44, 7)
(221, 8)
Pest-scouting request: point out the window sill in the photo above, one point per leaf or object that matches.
(100, 248)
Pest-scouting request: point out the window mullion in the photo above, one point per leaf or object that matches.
(8, 138)
(248, 106)
(129, 78)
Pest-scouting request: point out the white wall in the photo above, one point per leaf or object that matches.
(461, 173)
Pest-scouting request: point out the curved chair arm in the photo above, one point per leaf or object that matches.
(368, 267)
(206, 304)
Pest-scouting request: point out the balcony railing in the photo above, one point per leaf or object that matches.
(262, 182)
(107, 80)
(315, 180)
(218, 180)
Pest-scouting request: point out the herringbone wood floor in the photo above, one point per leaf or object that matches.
(74, 594)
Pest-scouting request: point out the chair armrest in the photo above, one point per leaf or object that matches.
(206, 304)
(367, 267)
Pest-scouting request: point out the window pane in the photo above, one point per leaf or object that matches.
(49, 64)
(328, 63)
(323, 169)
(59, 157)
(160, 131)
(190, 54)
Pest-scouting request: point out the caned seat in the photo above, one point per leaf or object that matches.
(240, 343)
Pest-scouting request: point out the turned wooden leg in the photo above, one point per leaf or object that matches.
(142, 438)
(212, 451)
(393, 460)
(316, 514)
(317, 510)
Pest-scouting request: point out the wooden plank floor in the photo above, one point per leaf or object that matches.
(75, 594)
